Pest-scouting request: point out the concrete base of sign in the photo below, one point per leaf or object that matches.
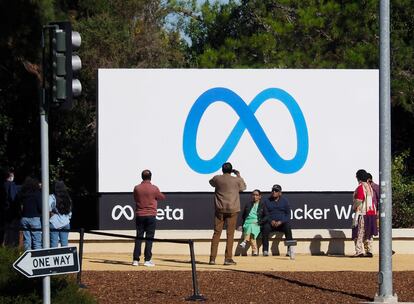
(312, 242)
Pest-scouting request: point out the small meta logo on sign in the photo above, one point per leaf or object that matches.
(119, 211)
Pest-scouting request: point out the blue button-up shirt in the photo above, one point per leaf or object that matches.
(277, 210)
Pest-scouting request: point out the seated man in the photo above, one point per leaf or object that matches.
(276, 217)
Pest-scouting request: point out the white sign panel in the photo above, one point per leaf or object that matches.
(307, 130)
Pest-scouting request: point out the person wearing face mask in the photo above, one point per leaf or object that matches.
(276, 217)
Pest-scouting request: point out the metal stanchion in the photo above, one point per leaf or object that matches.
(79, 276)
(196, 295)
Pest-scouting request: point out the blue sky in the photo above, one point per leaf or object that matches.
(173, 18)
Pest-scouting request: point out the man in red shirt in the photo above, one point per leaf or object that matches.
(146, 196)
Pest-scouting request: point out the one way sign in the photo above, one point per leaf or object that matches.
(45, 262)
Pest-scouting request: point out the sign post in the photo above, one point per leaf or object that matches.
(46, 262)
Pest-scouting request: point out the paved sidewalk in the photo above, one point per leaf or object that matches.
(122, 262)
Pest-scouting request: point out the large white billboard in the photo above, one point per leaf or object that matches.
(307, 130)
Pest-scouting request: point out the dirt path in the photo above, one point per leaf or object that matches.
(276, 279)
(122, 262)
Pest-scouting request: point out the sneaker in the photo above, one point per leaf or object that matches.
(357, 255)
(212, 262)
(229, 262)
(254, 253)
(265, 253)
(369, 255)
(135, 263)
(243, 244)
(149, 263)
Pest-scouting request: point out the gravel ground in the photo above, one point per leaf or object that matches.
(240, 286)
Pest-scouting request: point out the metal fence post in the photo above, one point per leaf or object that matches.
(196, 295)
(79, 276)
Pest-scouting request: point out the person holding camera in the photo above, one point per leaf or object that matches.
(227, 207)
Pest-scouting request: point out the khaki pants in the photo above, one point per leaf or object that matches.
(231, 221)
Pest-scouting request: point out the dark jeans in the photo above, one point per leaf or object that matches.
(144, 224)
(267, 228)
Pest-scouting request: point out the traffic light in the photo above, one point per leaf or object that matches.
(64, 64)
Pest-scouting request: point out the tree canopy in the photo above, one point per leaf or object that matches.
(139, 34)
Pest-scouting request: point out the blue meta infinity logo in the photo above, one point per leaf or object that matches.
(247, 121)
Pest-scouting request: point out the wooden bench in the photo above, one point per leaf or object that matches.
(274, 240)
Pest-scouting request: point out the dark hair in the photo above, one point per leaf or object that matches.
(362, 175)
(226, 168)
(63, 201)
(369, 176)
(257, 190)
(5, 173)
(146, 174)
(30, 185)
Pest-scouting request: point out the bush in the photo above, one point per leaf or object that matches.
(17, 289)
(402, 193)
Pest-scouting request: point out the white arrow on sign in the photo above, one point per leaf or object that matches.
(43, 262)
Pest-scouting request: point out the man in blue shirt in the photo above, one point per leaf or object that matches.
(276, 217)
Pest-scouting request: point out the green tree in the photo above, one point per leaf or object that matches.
(286, 34)
(19, 78)
(115, 34)
(402, 79)
(402, 193)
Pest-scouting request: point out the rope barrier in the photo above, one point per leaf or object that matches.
(196, 296)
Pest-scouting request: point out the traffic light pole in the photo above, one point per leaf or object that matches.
(44, 143)
(58, 87)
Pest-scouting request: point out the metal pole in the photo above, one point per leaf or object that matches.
(196, 295)
(44, 139)
(385, 294)
(79, 276)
